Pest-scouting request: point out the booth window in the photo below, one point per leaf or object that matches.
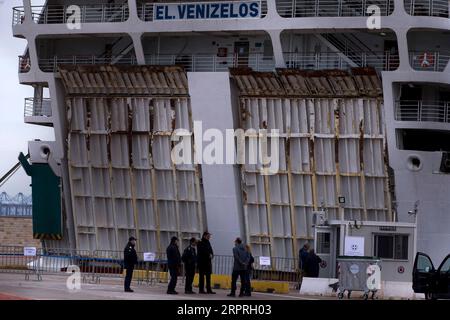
(323, 243)
(391, 246)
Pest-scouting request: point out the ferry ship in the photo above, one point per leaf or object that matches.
(358, 91)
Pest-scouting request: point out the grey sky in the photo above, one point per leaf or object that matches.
(14, 133)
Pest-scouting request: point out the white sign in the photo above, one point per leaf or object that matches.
(149, 256)
(29, 251)
(264, 261)
(207, 10)
(354, 246)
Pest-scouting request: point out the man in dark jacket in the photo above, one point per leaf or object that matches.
(241, 262)
(312, 265)
(302, 256)
(205, 255)
(189, 259)
(130, 259)
(173, 263)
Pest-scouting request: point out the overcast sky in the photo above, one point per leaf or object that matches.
(14, 133)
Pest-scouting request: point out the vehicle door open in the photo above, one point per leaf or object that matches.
(423, 274)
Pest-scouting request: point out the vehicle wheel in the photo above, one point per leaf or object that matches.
(365, 296)
(428, 296)
(340, 295)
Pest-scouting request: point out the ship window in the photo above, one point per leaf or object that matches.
(423, 140)
(323, 243)
(391, 246)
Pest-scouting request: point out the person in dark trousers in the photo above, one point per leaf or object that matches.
(174, 264)
(189, 259)
(302, 256)
(205, 255)
(248, 273)
(130, 259)
(241, 261)
(312, 265)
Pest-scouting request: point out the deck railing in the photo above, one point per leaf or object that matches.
(332, 8)
(419, 110)
(382, 61)
(38, 107)
(435, 8)
(53, 14)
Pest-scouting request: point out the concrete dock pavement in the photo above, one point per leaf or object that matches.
(15, 287)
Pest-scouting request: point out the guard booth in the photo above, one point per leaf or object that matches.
(391, 242)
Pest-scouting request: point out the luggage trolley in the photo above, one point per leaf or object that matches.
(353, 275)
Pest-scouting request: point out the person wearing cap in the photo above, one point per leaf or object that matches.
(189, 259)
(173, 263)
(130, 259)
(205, 255)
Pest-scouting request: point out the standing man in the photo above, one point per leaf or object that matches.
(241, 262)
(174, 263)
(130, 259)
(302, 256)
(189, 259)
(205, 256)
(312, 266)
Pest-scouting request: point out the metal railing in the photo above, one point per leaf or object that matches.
(92, 13)
(211, 62)
(51, 64)
(331, 8)
(418, 110)
(145, 10)
(429, 60)
(434, 8)
(98, 264)
(382, 61)
(38, 107)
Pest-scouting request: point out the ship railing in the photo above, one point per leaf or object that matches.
(214, 63)
(18, 15)
(332, 8)
(24, 64)
(91, 13)
(382, 61)
(51, 64)
(152, 268)
(434, 8)
(422, 110)
(38, 107)
(429, 60)
(146, 11)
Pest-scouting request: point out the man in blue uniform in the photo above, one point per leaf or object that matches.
(130, 259)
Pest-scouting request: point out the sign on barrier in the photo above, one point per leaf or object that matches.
(149, 256)
(264, 261)
(29, 251)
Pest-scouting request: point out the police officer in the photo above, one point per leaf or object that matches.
(174, 264)
(130, 259)
(190, 259)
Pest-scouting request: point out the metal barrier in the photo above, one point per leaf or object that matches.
(38, 107)
(51, 64)
(105, 264)
(435, 8)
(331, 8)
(92, 13)
(382, 61)
(418, 110)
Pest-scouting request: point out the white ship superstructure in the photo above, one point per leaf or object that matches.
(363, 116)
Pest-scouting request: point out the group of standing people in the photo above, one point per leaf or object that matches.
(309, 262)
(197, 255)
